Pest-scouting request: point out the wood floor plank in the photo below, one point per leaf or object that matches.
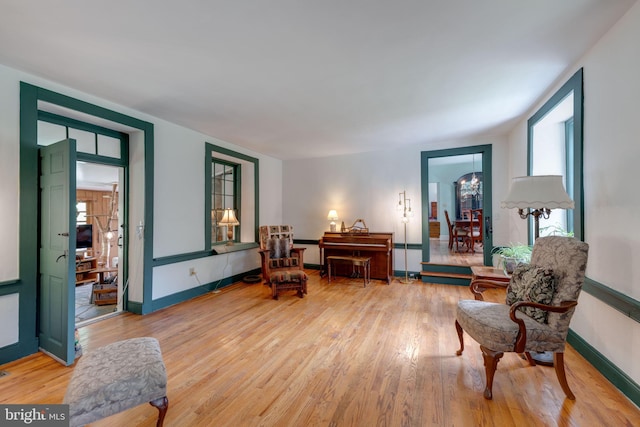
(342, 356)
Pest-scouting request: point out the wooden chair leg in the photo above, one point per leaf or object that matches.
(558, 363)
(162, 404)
(460, 337)
(527, 356)
(491, 359)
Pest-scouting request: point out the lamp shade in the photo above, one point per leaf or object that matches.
(229, 218)
(538, 192)
(332, 215)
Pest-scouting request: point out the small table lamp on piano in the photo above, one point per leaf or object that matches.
(332, 216)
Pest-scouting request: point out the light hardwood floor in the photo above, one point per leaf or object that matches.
(441, 254)
(344, 355)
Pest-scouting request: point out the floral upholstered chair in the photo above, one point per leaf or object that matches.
(282, 264)
(541, 299)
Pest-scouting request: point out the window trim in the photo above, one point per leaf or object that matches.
(237, 195)
(210, 149)
(575, 85)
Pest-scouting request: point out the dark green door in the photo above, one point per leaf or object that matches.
(57, 250)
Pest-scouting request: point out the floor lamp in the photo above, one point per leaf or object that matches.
(535, 196)
(404, 206)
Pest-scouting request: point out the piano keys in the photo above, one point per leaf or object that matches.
(377, 246)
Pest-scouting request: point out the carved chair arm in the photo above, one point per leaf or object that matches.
(478, 286)
(521, 340)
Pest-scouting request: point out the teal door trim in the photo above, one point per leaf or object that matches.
(486, 151)
(30, 95)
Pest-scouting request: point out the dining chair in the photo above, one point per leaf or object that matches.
(475, 234)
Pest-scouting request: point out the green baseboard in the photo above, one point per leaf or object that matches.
(610, 371)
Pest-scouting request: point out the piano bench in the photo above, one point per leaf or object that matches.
(364, 263)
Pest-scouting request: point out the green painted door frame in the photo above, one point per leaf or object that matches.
(486, 151)
(27, 284)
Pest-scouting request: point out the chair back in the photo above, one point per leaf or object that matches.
(275, 232)
(477, 214)
(446, 215)
(567, 257)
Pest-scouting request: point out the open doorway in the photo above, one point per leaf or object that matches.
(456, 195)
(462, 179)
(99, 261)
(99, 201)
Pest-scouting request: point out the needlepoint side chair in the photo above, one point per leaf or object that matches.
(541, 299)
(282, 264)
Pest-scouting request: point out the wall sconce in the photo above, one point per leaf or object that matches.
(333, 217)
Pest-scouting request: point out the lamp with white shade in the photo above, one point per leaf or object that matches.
(536, 196)
(229, 219)
(333, 217)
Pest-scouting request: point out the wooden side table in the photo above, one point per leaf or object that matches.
(483, 278)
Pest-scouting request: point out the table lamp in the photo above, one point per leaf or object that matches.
(229, 219)
(332, 216)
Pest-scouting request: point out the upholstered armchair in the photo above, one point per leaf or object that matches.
(282, 264)
(541, 299)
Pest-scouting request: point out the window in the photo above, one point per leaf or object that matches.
(225, 194)
(555, 148)
(231, 182)
(81, 213)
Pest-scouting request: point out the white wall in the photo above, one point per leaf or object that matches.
(611, 153)
(9, 172)
(367, 186)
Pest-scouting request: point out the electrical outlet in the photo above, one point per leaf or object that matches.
(192, 271)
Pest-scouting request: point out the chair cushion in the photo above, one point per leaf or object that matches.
(288, 276)
(489, 324)
(531, 283)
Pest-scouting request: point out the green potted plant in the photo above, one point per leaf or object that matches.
(555, 230)
(512, 255)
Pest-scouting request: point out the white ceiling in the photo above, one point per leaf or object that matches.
(294, 79)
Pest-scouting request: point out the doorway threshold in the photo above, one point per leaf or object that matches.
(97, 319)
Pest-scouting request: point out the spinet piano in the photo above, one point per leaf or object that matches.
(377, 246)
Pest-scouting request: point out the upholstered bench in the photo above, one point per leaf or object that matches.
(117, 377)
